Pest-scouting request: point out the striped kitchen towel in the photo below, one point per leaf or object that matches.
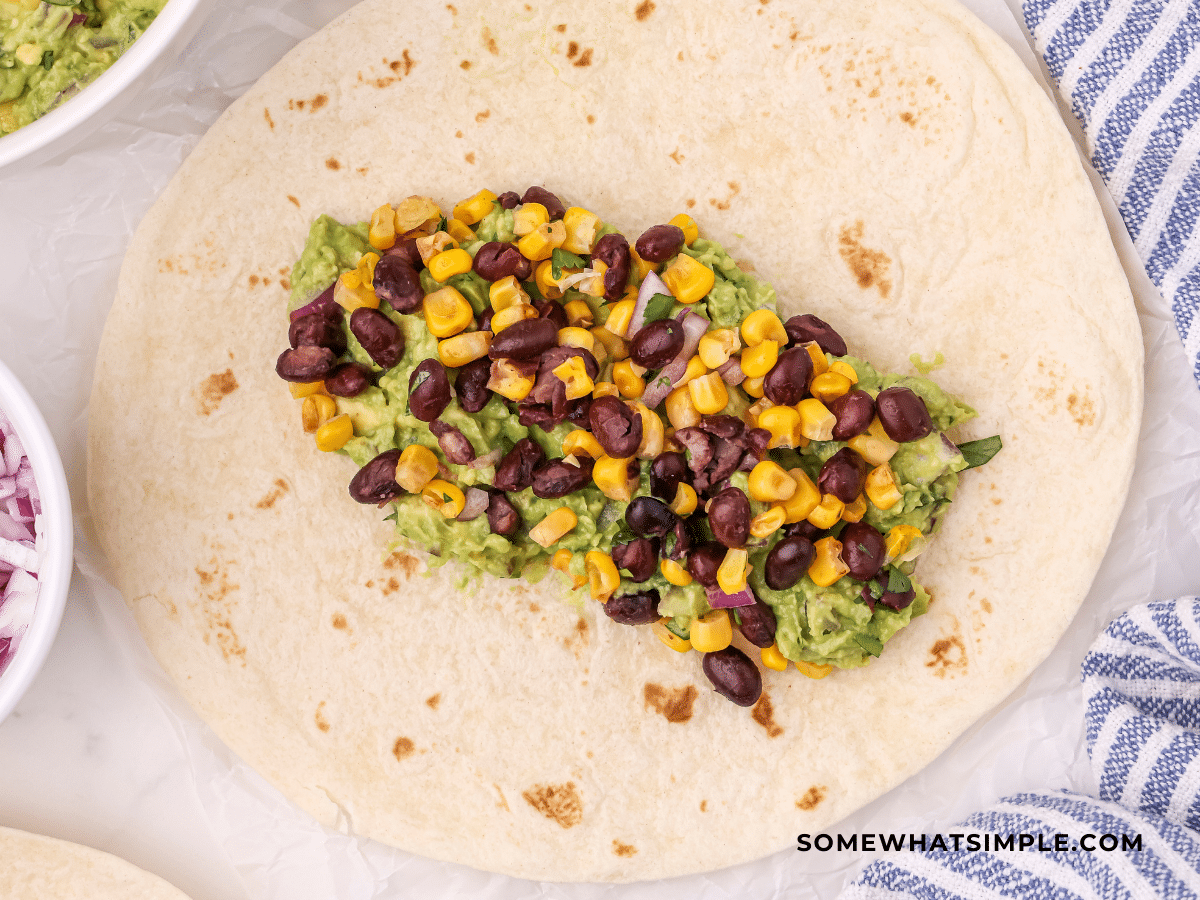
(1131, 72)
(1141, 839)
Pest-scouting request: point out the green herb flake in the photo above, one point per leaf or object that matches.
(976, 453)
(898, 582)
(869, 643)
(47, 60)
(658, 307)
(562, 259)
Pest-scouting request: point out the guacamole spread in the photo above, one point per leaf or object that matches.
(526, 391)
(49, 51)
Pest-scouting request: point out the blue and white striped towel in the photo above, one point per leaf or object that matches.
(1142, 685)
(1131, 71)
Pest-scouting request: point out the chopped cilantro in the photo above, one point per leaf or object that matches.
(898, 582)
(47, 60)
(659, 307)
(978, 452)
(869, 643)
(562, 259)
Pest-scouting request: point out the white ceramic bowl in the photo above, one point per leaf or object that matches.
(62, 128)
(54, 571)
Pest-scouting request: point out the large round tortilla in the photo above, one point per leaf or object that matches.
(890, 167)
(33, 867)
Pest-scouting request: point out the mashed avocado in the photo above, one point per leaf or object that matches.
(50, 51)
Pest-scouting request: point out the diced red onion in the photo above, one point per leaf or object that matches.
(731, 371)
(651, 285)
(19, 541)
(718, 599)
(488, 459)
(322, 303)
(694, 328)
(475, 505)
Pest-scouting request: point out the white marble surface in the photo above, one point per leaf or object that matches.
(95, 754)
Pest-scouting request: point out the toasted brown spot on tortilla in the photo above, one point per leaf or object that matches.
(432, 702)
(268, 500)
(625, 850)
(643, 10)
(403, 748)
(690, 203)
(339, 622)
(908, 118)
(214, 389)
(870, 267)
(490, 42)
(677, 156)
(674, 704)
(293, 200)
(267, 116)
(319, 101)
(703, 806)
(285, 283)
(591, 120)
(947, 656)
(253, 279)
(391, 587)
(319, 717)
(453, 9)
(734, 189)
(333, 164)
(764, 715)
(572, 49)
(503, 804)
(215, 589)
(985, 604)
(470, 157)
(585, 59)
(405, 562)
(813, 796)
(480, 116)
(534, 608)
(560, 28)
(557, 802)
(1082, 410)
(465, 64)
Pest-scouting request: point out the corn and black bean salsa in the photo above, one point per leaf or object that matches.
(529, 393)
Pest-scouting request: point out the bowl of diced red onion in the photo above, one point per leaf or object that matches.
(35, 540)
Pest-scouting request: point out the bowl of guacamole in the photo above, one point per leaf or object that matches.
(65, 63)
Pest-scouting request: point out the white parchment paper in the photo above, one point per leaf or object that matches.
(63, 230)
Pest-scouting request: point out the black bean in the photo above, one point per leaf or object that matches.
(617, 427)
(657, 343)
(558, 478)
(805, 529)
(639, 557)
(854, 412)
(407, 250)
(453, 443)
(496, 260)
(379, 336)
(802, 329)
(376, 481)
(503, 517)
(471, 385)
(524, 340)
(306, 363)
(729, 517)
(787, 562)
(903, 414)
(649, 517)
(659, 243)
(842, 475)
(348, 379)
(397, 282)
(704, 560)
(554, 207)
(613, 251)
(733, 675)
(509, 200)
(757, 623)
(633, 609)
(863, 550)
(515, 472)
(318, 330)
(428, 390)
(666, 472)
(552, 310)
(787, 383)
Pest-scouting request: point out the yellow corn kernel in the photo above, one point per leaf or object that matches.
(841, 367)
(732, 573)
(675, 573)
(580, 442)
(593, 285)
(688, 280)
(768, 482)
(444, 497)
(301, 389)
(827, 566)
(855, 509)
(603, 577)
(543, 277)
(753, 387)
(506, 292)
(829, 386)
(511, 315)
(473, 209)
(613, 478)
(350, 293)
(717, 346)
(615, 345)
(366, 268)
(431, 245)
(760, 359)
(653, 433)
(416, 214)
(816, 421)
(681, 412)
(447, 312)
(416, 468)
(605, 389)
(562, 562)
(817, 355)
(685, 500)
(640, 267)
(695, 369)
(687, 225)
(554, 527)
(709, 394)
(763, 325)
(784, 424)
(581, 227)
(898, 540)
(541, 243)
(620, 314)
(572, 336)
(827, 512)
(767, 523)
(772, 658)
(459, 230)
(509, 381)
(880, 487)
(670, 638)
(316, 411)
(334, 433)
(383, 228)
(574, 375)
(712, 632)
(807, 497)
(449, 263)
(812, 670)
(527, 217)
(874, 448)
(579, 314)
(628, 381)
(756, 409)
(464, 347)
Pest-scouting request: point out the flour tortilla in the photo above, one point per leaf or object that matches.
(33, 867)
(890, 167)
